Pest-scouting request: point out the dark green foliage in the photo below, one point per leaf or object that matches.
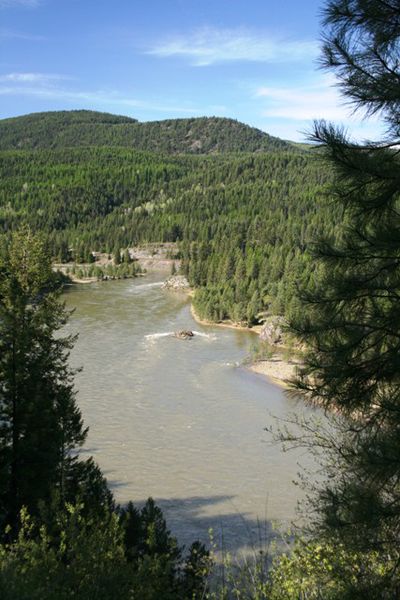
(351, 323)
(131, 522)
(87, 484)
(197, 568)
(87, 128)
(84, 556)
(245, 239)
(145, 532)
(126, 258)
(242, 222)
(65, 188)
(117, 256)
(156, 537)
(40, 422)
(362, 46)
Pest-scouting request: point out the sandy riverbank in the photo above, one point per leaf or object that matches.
(276, 369)
(229, 324)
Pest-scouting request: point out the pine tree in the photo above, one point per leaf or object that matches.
(40, 423)
(126, 257)
(351, 320)
(117, 255)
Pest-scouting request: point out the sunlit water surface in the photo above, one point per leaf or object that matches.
(177, 420)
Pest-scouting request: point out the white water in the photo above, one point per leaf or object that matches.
(157, 336)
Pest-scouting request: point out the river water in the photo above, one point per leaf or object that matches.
(177, 420)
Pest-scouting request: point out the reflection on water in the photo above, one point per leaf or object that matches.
(177, 419)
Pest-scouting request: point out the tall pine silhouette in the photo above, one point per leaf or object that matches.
(351, 321)
(40, 423)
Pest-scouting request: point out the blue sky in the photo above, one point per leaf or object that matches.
(254, 60)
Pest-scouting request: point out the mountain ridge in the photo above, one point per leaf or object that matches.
(76, 128)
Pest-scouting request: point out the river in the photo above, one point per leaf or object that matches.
(177, 420)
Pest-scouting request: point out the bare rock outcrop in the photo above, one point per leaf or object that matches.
(273, 330)
(176, 282)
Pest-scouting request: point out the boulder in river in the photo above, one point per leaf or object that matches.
(184, 334)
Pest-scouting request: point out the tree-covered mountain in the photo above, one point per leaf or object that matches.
(242, 221)
(203, 135)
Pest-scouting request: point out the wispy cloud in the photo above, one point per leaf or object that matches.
(41, 78)
(18, 3)
(289, 110)
(318, 100)
(45, 87)
(208, 46)
(56, 93)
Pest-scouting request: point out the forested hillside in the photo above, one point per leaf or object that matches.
(88, 128)
(242, 220)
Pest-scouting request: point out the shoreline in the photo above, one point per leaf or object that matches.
(227, 324)
(276, 370)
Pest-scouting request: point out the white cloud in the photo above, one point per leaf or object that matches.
(291, 109)
(16, 3)
(208, 46)
(41, 78)
(318, 100)
(55, 93)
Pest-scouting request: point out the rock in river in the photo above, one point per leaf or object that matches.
(184, 334)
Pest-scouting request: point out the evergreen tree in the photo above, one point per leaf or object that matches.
(126, 257)
(117, 256)
(352, 323)
(40, 423)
